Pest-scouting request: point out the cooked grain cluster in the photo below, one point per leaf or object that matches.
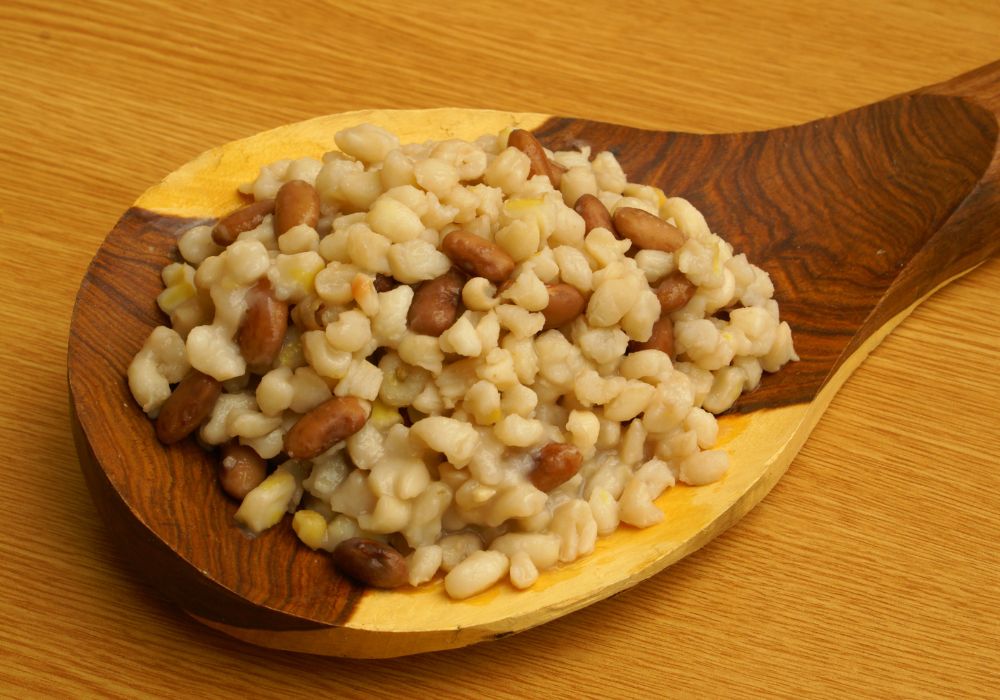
(463, 357)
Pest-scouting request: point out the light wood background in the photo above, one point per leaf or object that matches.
(872, 569)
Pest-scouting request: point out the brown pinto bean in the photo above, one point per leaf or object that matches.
(243, 219)
(526, 142)
(674, 291)
(188, 405)
(296, 203)
(241, 470)
(436, 304)
(477, 256)
(646, 230)
(565, 304)
(263, 329)
(594, 213)
(557, 463)
(556, 172)
(662, 338)
(385, 283)
(371, 562)
(324, 426)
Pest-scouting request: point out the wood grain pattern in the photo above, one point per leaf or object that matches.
(925, 165)
(869, 571)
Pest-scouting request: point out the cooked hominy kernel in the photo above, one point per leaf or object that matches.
(366, 447)
(394, 220)
(309, 390)
(517, 431)
(161, 361)
(350, 332)
(608, 173)
(401, 383)
(488, 330)
(454, 439)
(519, 238)
(456, 380)
(479, 294)
(574, 268)
(366, 142)
(389, 324)
(523, 572)
(633, 447)
(574, 522)
(528, 292)
(508, 171)
(541, 548)
(422, 351)
(327, 360)
(657, 475)
(636, 506)
(362, 379)
(391, 514)
(519, 400)
(492, 389)
(250, 423)
(298, 239)
(311, 528)
(416, 261)
(521, 322)
(341, 528)
(611, 300)
(584, 426)
(609, 434)
(483, 402)
(211, 350)
(523, 357)
(268, 502)
(292, 276)
(461, 339)
(608, 474)
(456, 548)
(600, 344)
(368, 250)
(577, 181)
(352, 495)
(196, 244)
(727, 384)
(518, 501)
(704, 425)
(423, 563)
(703, 467)
(635, 203)
(630, 402)
(604, 509)
(475, 574)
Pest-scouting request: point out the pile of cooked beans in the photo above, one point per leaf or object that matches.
(456, 358)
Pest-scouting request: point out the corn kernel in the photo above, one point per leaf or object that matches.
(310, 526)
(265, 505)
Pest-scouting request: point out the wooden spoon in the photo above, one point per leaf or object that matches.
(857, 218)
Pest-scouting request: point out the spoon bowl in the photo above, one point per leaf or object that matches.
(857, 218)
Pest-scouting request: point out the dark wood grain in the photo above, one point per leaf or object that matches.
(856, 217)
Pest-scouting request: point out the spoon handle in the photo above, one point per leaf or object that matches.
(971, 233)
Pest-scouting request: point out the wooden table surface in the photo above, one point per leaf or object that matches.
(871, 569)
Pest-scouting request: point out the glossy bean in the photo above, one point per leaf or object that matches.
(371, 562)
(244, 219)
(646, 230)
(324, 426)
(189, 404)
